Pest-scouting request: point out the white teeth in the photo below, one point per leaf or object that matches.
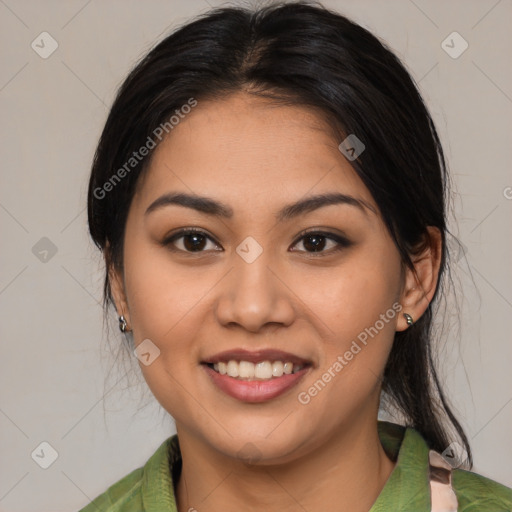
(263, 370)
(277, 369)
(232, 369)
(246, 370)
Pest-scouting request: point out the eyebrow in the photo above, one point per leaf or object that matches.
(215, 208)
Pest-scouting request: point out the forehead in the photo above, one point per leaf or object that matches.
(251, 152)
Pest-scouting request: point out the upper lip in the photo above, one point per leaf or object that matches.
(256, 356)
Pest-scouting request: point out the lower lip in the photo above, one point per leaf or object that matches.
(255, 391)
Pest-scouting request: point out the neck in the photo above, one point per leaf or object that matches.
(345, 473)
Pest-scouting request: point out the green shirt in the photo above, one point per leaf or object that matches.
(150, 488)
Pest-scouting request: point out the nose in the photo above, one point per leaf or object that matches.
(254, 295)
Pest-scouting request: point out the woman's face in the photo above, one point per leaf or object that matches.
(252, 282)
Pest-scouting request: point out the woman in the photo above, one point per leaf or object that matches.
(269, 196)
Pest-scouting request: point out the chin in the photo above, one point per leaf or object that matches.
(251, 447)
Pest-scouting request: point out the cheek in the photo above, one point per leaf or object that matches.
(168, 304)
(356, 303)
(162, 294)
(162, 302)
(353, 296)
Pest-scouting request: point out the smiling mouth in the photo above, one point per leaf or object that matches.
(261, 371)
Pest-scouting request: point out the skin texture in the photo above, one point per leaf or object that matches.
(257, 157)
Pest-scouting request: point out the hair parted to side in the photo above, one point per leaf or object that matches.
(299, 53)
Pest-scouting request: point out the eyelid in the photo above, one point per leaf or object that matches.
(322, 231)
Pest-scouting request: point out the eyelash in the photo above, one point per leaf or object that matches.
(342, 242)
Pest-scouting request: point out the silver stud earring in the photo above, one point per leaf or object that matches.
(123, 326)
(408, 319)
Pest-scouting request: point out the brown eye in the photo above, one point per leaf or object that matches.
(317, 241)
(314, 243)
(189, 241)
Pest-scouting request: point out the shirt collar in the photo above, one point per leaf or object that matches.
(406, 488)
(157, 481)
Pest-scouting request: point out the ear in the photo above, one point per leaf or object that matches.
(117, 288)
(420, 284)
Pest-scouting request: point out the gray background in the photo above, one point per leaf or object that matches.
(56, 385)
